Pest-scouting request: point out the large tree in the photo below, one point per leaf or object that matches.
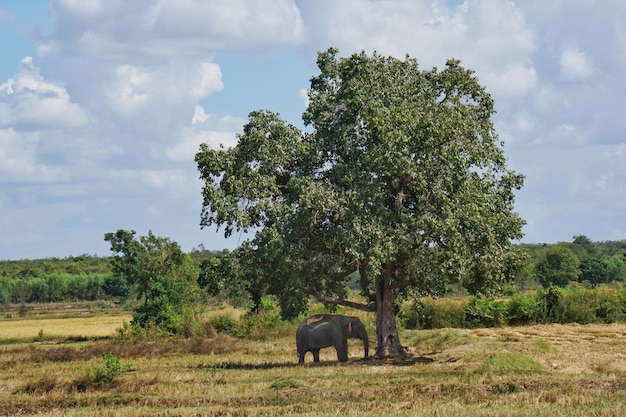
(399, 176)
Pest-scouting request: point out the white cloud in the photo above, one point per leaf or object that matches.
(31, 102)
(129, 89)
(169, 179)
(46, 49)
(189, 144)
(210, 80)
(619, 151)
(84, 9)
(514, 82)
(575, 65)
(490, 36)
(17, 158)
(175, 28)
(304, 95)
(548, 99)
(199, 116)
(108, 116)
(153, 88)
(524, 122)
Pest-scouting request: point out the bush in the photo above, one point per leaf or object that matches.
(484, 312)
(579, 304)
(526, 309)
(576, 303)
(432, 313)
(224, 323)
(263, 325)
(266, 323)
(611, 305)
(100, 376)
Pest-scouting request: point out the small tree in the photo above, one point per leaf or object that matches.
(401, 178)
(162, 275)
(558, 266)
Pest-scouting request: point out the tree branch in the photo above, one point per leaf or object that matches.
(338, 301)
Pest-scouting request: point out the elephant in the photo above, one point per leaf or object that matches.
(325, 330)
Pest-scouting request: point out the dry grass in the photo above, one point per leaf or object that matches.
(55, 328)
(526, 371)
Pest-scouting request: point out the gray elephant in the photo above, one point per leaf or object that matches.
(325, 330)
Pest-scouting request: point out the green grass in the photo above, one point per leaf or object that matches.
(547, 370)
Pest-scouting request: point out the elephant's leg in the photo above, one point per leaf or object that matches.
(316, 355)
(301, 356)
(342, 351)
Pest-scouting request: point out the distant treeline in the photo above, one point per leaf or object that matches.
(581, 261)
(90, 277)
(74, 278)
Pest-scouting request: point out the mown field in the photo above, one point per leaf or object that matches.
(58, 367)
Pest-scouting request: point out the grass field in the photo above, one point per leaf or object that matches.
(61, 328)
(547, 370)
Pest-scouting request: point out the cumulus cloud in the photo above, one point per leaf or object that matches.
(17, 153)
(120, 94)
(489, 36)
(199, 116)
(133, 88)
(189, 143)
(31, 102)
(514, 82)
(175, 28)
(215, 131)
(129, 89)
(575, 65)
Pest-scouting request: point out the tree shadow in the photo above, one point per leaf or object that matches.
(406, 360)
(371, 361)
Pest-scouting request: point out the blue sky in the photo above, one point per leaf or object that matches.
(103, 103)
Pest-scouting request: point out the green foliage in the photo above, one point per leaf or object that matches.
(83, 264)
(224, 323)
(574, 304)
(598, 262)
(162, 275)
(75, 278)
(264, 324)
(116, 286)
(484, 312)
(53, 287)
(225, 278)
(526, 309)
(433, 313)
(579, 304)
(558, 266)
(105, 374)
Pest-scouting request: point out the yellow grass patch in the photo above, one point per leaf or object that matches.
(97, 326)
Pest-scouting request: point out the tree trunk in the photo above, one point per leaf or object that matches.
(386, 329)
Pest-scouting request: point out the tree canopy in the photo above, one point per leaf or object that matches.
(399, 177)
(160, 273)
